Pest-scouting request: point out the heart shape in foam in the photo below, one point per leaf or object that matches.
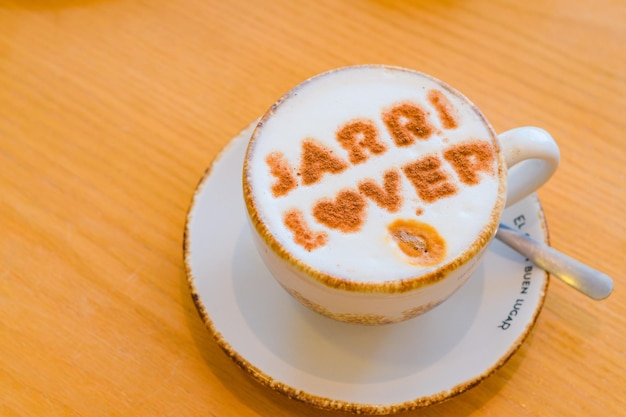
(346, 213)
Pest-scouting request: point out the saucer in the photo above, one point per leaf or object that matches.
(339, 366)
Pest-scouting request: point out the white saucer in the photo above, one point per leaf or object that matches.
(334, 365)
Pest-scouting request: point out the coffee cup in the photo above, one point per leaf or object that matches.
(373, 191)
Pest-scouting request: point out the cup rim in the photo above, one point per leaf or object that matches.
(480, 241)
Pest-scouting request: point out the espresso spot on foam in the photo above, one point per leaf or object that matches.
(346, 213)
(280, 169)
(360, 137)
(318, 160)
(388, 196)
(430, 181)
(302, 233)
(418, 240)
(407, 123)
(471, 158)
(445, 110)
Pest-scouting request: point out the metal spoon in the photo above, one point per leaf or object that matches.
(587, 280)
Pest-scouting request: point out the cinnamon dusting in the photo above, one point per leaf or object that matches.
(445, 110)
(430, 181)
(470, 158)
(358, 137)
(407, 122)
(346, 213)
(302, 233)
(280, 169)
(318, 160)
(388, 196)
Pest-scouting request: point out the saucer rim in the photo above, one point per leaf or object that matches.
(324, 402)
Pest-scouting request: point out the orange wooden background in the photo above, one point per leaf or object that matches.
(110, 111)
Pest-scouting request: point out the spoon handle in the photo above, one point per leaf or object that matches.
(587, 280)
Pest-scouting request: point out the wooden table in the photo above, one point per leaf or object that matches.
(110, 111)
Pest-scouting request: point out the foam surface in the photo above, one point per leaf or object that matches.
(315, 112)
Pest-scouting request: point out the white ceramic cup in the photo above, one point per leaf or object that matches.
(374, 191)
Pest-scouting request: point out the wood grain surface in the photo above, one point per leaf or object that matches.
(111, 110)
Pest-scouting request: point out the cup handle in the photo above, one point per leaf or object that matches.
(532, 156)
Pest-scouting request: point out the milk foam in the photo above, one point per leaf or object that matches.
(317, 109)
